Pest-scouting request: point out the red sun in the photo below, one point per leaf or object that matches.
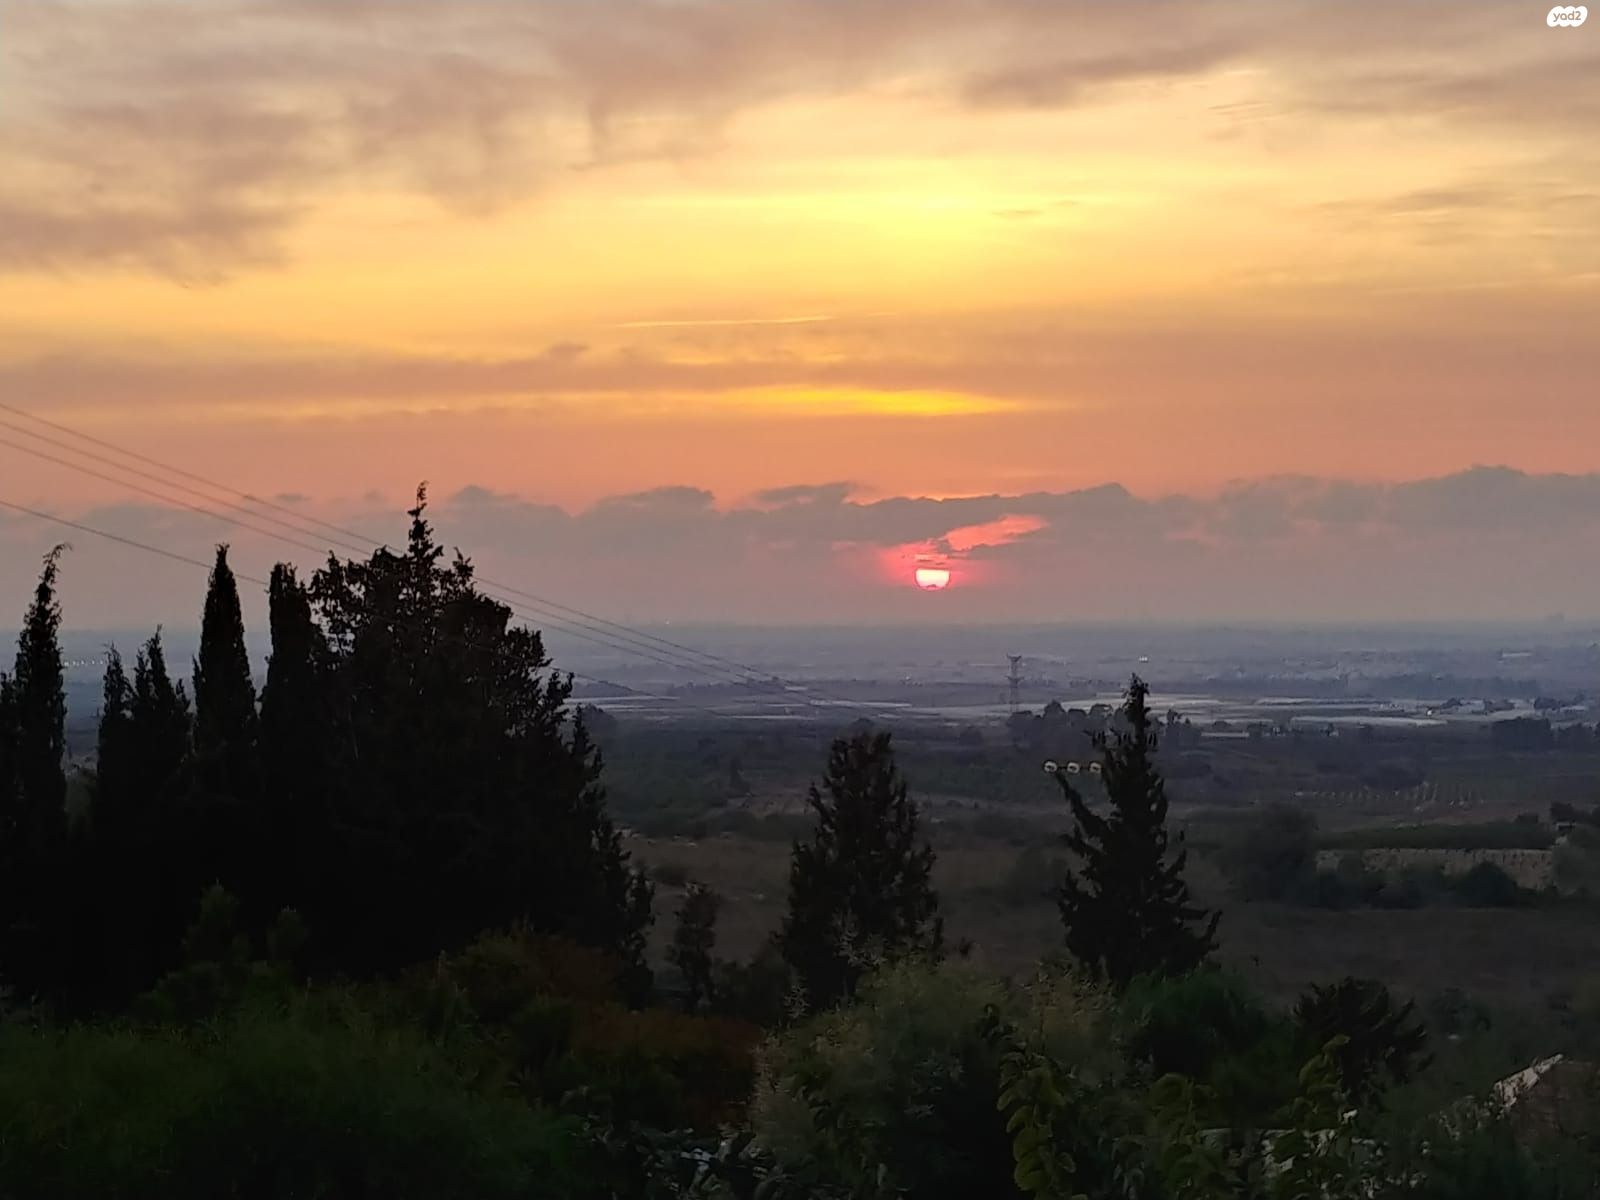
(933, 579)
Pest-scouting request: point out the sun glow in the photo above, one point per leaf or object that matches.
(933, 579)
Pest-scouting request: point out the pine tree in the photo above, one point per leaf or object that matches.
(33, 789)
(694, 943)
(861, 887)
(1127, 910)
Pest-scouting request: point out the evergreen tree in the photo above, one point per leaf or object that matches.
(861, 887)
(33, 789)
(41, 714)
(294, 750)
(160, 720)
(1127, 910)
(224, 696)
(114, 746)
(230, 828)
(466, 795)
(694, 943)
(138, 870)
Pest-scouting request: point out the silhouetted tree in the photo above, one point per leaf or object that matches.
(140, 860)
(114, 746)
(230, 828)
(225, 723)
(294, 744)
(466, 795)
(862, 885)
(1386, 1043)
(161, 722)
(33, 790)
(1126, 908)
(694, 942)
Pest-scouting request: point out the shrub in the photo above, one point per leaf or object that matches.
(262, 1104)
(548, 1013)
(904, 1082)
(1488, 886)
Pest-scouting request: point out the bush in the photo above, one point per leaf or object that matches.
(262, 1104)
(549, 1014)
(1487, 886)
(905, 1081)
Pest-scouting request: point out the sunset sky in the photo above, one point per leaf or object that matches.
(739, 309)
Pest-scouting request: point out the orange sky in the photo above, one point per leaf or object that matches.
(568, 251)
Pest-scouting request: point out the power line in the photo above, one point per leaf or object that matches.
(117, 537)
(366, 540)
(176, 556)
(580, 624)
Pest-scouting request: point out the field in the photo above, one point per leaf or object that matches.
(722, 807)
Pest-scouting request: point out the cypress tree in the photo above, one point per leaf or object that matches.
(228, 823)
(33, 790)
(160, 721)
(114, 746)
(41, 714)
(294, 736)
(1127, 910)
(224, 696)
(862, 886)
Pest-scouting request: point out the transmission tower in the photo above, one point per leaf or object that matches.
(1015, 680)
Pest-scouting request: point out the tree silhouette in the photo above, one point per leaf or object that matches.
(33, 789)
(295, 745)
(225, 722)
(228, 824)
(140, 861)
(694, 942)
(467, 796)
(861, 886)
(1126, 909)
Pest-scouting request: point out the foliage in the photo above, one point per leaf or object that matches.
(694, 943)
(861, 886)
(896, 1093)
(1380, 1042)
(546, 1014)
(466, 799)
(1126, 909)
(33, 790)
(264, 1103)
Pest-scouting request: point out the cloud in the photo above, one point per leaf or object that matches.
(1486, 542)
(195, 137)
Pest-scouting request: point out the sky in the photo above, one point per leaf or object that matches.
(742, 310)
